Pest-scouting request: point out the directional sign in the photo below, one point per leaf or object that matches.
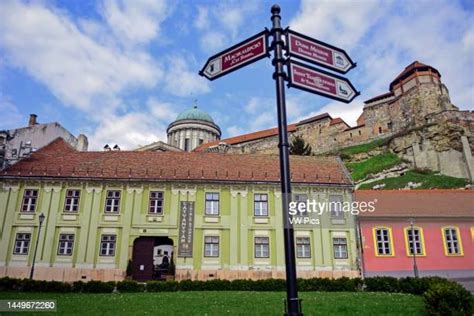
(320, 82)
(237, 56)
(314, 51)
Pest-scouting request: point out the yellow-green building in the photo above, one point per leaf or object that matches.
(153, 214)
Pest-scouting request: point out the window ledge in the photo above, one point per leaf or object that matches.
(261, 220)
(338, 221)
(27, 216)
(69, 217)
(111, 217)
(155, 218)
(212, 219)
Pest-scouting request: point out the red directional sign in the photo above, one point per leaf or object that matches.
(320, 82)
(314, 51)
(242, 54)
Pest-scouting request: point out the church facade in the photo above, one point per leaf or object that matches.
(157, 214)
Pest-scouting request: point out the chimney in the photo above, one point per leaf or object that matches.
(82, 142)
(32, 120)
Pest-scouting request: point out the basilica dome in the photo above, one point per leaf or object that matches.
(192, 128)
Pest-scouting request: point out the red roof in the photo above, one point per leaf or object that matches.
(338, 120)
(314, 118)
(245, 138)
(418, 203)
(59, 160)
(410, 69)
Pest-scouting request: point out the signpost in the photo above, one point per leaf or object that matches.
(299, 76)
(238, 56)
(317, 52)
(320, 82)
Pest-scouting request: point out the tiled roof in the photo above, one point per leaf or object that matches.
(338, 120)
(245, 138)
(380, 97)
(314, 118)
(59, 160)
(418, 203)
(416, 65)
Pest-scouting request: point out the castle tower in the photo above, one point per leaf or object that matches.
(192, 128)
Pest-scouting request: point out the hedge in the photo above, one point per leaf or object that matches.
(441, 296)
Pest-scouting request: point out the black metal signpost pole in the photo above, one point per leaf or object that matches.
(293, 304)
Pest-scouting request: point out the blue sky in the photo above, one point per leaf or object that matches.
(120, 71)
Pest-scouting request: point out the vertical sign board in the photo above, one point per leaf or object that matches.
(320, 82)
(186, 229)
(238, 56)
(317, 52)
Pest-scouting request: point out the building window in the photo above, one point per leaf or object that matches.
(260, 204)
(66, 243)
(201, 141)
(22, 243)
(212, 203)
(156, 202)
(350, 134)
(389, 125)
(380, 130)
(30, 198)
(414, 240)
(340, 248)
(187, 146)
(303, 247)
(360, 133)
(336, 206)
(112, 202)
(452, 241)
(383, 242)
(211, 246)
(72, 201)
(262, 247)
(107, 245)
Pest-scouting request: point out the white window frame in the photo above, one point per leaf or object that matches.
(107, 245)
(383, 242)
(452, 241)
(303, 247)
(211, 246)
(114, 196)
(154, 206)
(71, 201)
(259, 201)
(65, 244)
(414, 244)
(340, 248)
(335, 204)
(22, 243)
(262, 247)
(212, 201)
(30, 200)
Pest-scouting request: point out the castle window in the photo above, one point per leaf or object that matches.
(380, 130)
(211, 246)
(107, 245)
(212, 203)
(30, 197)
(360, 133)
(350, 134)
(156, 202)
(383, 241)
(260, 204)
(389, 125)
(112, 202)
(340, 248)
(303, 247)
(66, 242)
(201, 141)
(71, 204)
(262, 247)
(22, 243)
(452, 242)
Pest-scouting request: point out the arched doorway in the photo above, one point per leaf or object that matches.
(152, 258)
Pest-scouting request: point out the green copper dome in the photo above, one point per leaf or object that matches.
(194, 114)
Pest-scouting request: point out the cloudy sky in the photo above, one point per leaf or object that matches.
(120, 71)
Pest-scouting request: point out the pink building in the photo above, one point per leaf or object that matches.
(441, 239)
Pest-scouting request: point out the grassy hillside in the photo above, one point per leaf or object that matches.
(375, 164)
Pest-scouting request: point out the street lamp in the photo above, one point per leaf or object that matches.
(41, 219)
(415, 268)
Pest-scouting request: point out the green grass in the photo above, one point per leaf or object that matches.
(359, 170)
(363, 148)
(429, 180)
(227, 303)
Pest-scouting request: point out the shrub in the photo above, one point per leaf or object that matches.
(78, 286)
(382, 284)
(8, 284)
(98, 287)
(448, 298)
(162, 286)
(130, 286)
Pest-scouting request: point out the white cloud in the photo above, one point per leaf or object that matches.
(182, 81)
(128, 131)
(212, 42)
(202, 19)
(78, 70)
(136, 21)
(162, 110)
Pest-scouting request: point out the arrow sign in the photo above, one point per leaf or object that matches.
(317, 52)
(321, 82)
(237, 56)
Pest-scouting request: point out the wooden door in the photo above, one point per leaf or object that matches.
(142, 261)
